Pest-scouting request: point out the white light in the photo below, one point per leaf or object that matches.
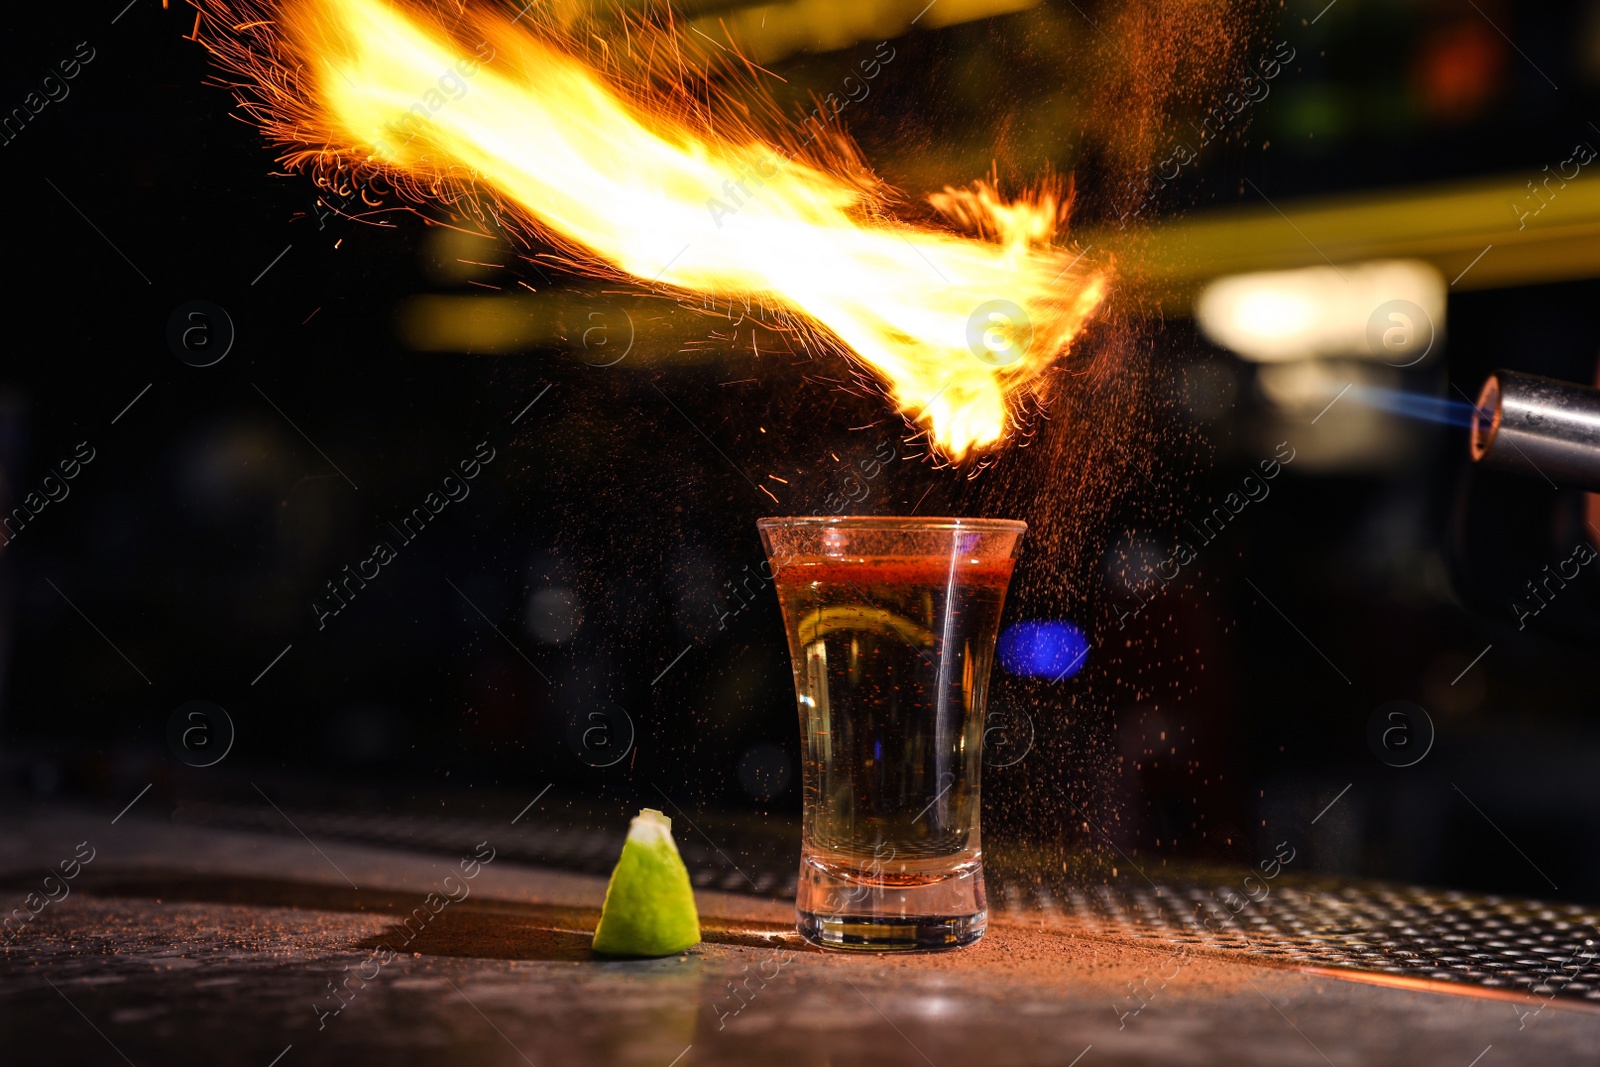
(1391, 310)
(1269, 317)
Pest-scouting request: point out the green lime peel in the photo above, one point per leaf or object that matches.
(649, 908)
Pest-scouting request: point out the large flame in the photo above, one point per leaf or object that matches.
(958, 328)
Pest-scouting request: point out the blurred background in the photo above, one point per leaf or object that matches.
(221, 393)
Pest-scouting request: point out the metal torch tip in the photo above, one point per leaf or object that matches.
(1540, 428)
(1486, 417)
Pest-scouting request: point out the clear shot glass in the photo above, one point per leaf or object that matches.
(892, 625)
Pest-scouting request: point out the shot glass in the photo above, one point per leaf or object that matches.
(892, 625)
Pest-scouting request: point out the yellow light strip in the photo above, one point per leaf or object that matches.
(770, 32)
(1470, 231)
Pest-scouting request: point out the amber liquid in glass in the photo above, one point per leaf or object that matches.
(891, 659)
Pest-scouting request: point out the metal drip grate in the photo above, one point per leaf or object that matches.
(1491, 943)
(582, 849)
(1550, 950)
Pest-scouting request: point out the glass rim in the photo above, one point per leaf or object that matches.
(893, 522)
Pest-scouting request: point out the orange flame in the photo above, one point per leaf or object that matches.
(958, 328)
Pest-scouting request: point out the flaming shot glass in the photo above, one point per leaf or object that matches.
(892, 625)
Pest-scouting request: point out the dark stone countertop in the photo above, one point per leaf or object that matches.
(184, 945)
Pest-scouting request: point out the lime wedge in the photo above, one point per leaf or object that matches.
(649, 908)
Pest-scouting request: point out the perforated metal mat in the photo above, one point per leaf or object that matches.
(1480, 943)
(1492, 943)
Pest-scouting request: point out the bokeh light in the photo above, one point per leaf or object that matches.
(1054, 650)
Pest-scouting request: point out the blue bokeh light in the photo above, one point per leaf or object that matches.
(1054, 650)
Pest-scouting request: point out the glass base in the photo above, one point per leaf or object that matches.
(876, 933)
(921, 906)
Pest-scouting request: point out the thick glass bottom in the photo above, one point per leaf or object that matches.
(917, 906)
(878, 933)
